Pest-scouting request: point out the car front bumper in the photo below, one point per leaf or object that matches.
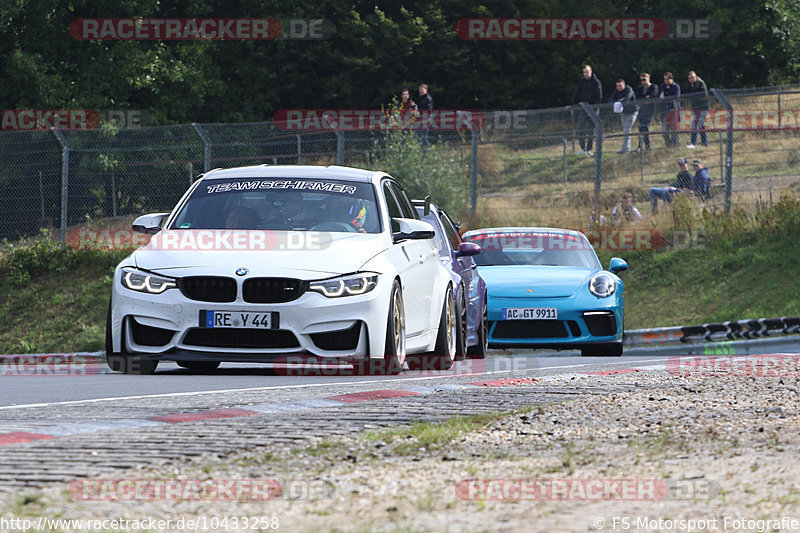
(168, 326)
(580, 321)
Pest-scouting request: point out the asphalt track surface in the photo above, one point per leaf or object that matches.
(97, 382)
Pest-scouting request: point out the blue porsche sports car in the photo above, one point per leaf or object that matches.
(547, 289)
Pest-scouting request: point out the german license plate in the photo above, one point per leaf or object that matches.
(238, 319)
(530, 313)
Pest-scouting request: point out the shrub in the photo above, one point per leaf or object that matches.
(438, 171)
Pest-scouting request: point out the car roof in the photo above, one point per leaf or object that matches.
(295, 171)
(524, 229)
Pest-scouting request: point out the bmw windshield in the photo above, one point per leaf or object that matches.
(281, 204)
(534, 248)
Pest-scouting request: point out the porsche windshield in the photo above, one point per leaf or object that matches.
(281, 204)
(523, 248)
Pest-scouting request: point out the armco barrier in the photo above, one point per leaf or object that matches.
(731, 330)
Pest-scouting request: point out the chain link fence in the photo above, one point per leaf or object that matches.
(524, 167)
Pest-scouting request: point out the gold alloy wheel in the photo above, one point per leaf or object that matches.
(399, 319)
(452, 323)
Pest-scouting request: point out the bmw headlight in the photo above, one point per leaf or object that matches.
(349, 285)
(137, 280)
(602, 285)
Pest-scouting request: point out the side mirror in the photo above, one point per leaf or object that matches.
(467, 249)
(617, 265)
(149, 224)
(409, 228)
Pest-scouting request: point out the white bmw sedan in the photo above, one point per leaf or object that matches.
(257, 263)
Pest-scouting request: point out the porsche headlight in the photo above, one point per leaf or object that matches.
(602, 285)
(349, 285)
(137, 280)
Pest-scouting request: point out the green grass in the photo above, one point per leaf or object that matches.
(752, 276)
(433, 435)
(56, 304)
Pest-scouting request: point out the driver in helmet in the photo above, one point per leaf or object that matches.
(346, 209)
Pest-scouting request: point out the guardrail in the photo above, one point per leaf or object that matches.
(731, 330)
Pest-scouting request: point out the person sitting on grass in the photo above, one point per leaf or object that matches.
(625, 212)
(683, 183)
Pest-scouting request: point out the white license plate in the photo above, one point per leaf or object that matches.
(238, 319)
(530, 313)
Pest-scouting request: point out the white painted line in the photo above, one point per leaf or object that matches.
(293, 406)
(92, 427)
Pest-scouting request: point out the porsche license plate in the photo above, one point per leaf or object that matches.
(238, 319)
(530, 313)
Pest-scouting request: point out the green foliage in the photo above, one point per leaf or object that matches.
(44, 254)
(439, 171)
(53, 298)
(247, 81)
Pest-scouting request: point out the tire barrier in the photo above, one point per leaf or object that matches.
(731, 330)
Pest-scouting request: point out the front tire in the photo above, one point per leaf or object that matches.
(479, 350)
(444, 353)
(611, 349)
(395, 347)
(123, 361)
(461, 337)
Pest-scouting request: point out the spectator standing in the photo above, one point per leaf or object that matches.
(425, 106)
(670, 93)
(625, 211)
(589, 90)
(625, 103)
(700, 105)
(407, 109)
(683, 183)
(646, 93)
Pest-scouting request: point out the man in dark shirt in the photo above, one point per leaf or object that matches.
(670, 92)
(587, 90)
(425, 106)
(698, 96)
(625, 104)
(646, 94)
(701, 181)
(683, 183)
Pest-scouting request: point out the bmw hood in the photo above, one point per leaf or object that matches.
(303, 255)
(529, 281)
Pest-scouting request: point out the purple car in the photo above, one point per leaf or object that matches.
(469, 288)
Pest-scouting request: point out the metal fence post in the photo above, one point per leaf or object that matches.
(564, 157)
(473, 173)
(598, 152)
(728, 148)
(339, 147)
(206, 146)
(64, 183)
(299, 148)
